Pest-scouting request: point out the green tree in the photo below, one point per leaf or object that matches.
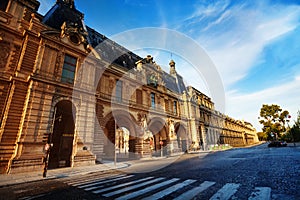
(273, 119)
(262, 136)
(295, 130)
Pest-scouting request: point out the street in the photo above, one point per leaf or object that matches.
(252, 173)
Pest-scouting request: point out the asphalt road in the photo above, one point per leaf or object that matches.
(246, 173)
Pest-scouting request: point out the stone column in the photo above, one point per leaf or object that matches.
(204, 137)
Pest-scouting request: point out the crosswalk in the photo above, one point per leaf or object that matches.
(130, 186)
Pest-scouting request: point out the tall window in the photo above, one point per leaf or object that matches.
(175, 107)
(139, 97)
(152, 100)
(69, 68)
(119, 86)
(166, 105)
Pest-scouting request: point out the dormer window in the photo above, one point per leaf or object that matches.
(152, 80)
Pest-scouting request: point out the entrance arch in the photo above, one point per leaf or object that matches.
(181, 137)
(119, 130)
(160, 136)
(62, 135)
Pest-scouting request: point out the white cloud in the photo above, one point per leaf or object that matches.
(237, 48)
(234, 40)
(210, 9)
(247, 106)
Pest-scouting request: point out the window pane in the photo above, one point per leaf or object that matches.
(175, 107)
(119, 86)
(69, 68)
(70, 59)
(152, 100)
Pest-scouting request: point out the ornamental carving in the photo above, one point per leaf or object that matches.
(152, 80)
(4, 53)
(171, 128)
(75, 33)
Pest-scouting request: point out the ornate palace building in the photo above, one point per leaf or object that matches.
(63, 83)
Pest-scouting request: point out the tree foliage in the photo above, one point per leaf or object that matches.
(273, 119)
(262, 136)
(293, 135)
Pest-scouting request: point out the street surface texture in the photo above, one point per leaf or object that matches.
(256, 173)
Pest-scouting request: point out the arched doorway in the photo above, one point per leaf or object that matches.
(120, 136)
(122, 142)
(181, 137)
(63, 135)
(159, 133)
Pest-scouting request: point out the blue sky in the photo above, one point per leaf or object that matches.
(254, 45)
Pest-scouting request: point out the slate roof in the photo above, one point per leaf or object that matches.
(108, 50)
(62, 12)
(111, 51)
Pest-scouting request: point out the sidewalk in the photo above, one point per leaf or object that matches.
(12, 179)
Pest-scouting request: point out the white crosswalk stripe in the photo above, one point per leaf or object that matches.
(132, 187)
(104, 181)
(150, 188)
(226, 191)
(261, 193)
(195, 191)
(77, 182)
(121, 185)
(169, 190)
(88, 181)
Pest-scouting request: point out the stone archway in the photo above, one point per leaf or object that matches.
(63, 135)
(160, 136)
(119, 123)
(182, 138)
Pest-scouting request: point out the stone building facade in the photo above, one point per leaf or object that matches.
(211, 128)
(65, 84)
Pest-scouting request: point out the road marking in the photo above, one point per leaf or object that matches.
(121, 185)
(147, 189)
(98, 186)
(105, 181)
(261, 193)
(195, 191)
(226, 192)
(169, 190)
(132, 187)
(82, 182)
(89, 179)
